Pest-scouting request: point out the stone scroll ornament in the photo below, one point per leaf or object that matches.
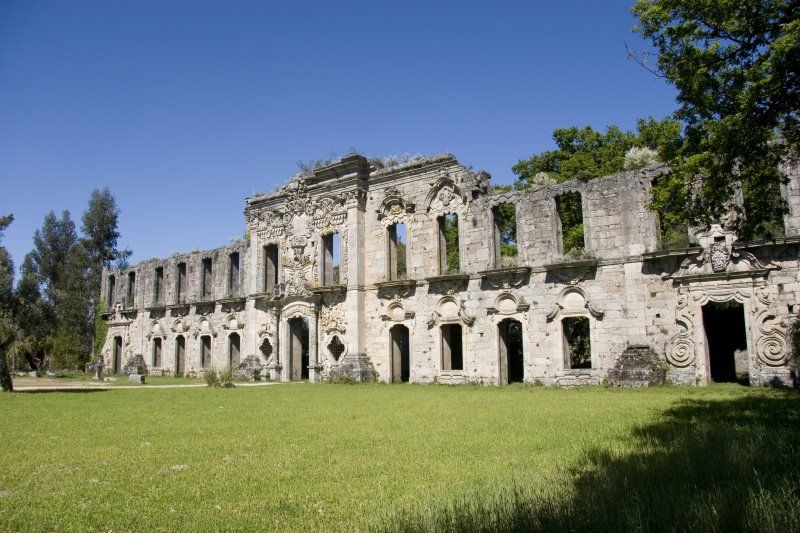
(680, 347)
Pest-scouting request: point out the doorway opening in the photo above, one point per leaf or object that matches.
(298, 348)
(117, 363)
(401, 354)
(511, 350)
(180, 355)
(726, 338)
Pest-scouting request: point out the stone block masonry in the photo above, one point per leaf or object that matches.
(315, 292)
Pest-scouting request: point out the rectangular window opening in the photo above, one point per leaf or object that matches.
(270, 267)
(131, 300)
(158, 286)
(577, 343)
(207, 279)
(233, 279)
(112, 287)
(330, 259)
(180, 284)
(205, 351)
(397, 252)
(570, 215)
(449, 259)
(452, 355)
(505, 235)
(156, 353)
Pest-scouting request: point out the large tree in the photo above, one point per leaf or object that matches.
(588, 153)
(736, 65)
(53, 244)
(7, 329)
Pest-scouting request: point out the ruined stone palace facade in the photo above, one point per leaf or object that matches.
(315, 291)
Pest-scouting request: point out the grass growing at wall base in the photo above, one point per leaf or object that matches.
(402, 457)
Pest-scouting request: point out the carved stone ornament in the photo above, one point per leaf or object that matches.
(332, 319)
(680, 350)
(394, 208)
(573, 301)
(444, 195)
(450, 309)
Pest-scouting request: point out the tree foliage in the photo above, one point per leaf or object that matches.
(7, 329)
(736, 65)
(587, 153)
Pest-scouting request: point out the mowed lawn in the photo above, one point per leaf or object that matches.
(303, 456)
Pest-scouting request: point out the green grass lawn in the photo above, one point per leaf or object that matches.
(302, 456)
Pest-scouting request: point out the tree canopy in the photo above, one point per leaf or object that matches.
(736, 65)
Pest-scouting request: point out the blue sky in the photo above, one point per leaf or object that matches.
(185, 108)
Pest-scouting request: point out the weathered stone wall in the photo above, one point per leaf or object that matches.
(631, 293)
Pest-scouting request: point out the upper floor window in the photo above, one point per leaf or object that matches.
(330, 259)
(270, 267)
(397, 251)
(112, 288)
(233, 273)
(570, 215)
(506, 253)
(207, 279)
(449, 258)
(180, 283)
(158, 286)
(131, 300)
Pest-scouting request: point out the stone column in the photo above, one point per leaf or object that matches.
(276, 365)
(313, 353)
(284, 346)
(355, 278)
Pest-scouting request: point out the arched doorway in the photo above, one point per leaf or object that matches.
(726, 342)
(401, 356)
(511, 350)
(180, 355)
(298, 348)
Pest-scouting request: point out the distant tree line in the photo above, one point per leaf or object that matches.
(48, 318)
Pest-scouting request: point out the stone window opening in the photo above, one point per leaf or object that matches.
(570, 217)
(180, 283)
(158, 286)
(131, 299)
(112, 287)
(207, 279)
(511, 350)
(577, 342)
(330, 259)
(673, 233)
(397, 251)
(234, 349)
(506, 251)
(116, 362)
(205, 351)
(234, 279)
(449, 257)
(156, 353)
(270, 267)
(180, 355)
(452, 353)
(401, 356)
(726, 342)
(266, 349)
(336, 348)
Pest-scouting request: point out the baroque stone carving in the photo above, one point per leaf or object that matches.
(332, 319)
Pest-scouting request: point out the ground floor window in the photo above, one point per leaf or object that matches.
(156, 353)
(234, 349)
(577, 344)
(452, 354)
(511, 353)
(205, 351)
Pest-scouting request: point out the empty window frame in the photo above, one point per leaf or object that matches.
(180, 283)
(449, 258)
(270, 267)
(397, 251)
(504, 217)
(570, 216)
(233, 273)
(207, 279)
(452, 354)
(158, 285)
(336, 347)
(330, 259)
(577, 342)
(112, 288)
(156, 353)
(131, 299)
(233, 349)
(205, 351)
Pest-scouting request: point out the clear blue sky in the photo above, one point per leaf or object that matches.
(185, 108)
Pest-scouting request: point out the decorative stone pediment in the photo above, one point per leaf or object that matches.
(718, 258)
(444, 196)
(450, 309)
(180, 326)
(156, 330)
(573, 301)
(394, 208)
(232, 323)
(508, 304)
(205, 326)
(396, 312)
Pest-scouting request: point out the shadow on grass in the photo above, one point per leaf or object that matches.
(724, 465)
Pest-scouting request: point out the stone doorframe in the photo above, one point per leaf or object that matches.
(398, 314)
(508, 306)
(767, 344)
(298, 309)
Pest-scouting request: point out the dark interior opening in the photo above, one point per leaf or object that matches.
(511, 347)
(205, 351)
(180, 355)
(234, 349)
(727, 342)
(298, 349)
(401, 354)
(117, 363)
(577, 342)
(452, 355)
